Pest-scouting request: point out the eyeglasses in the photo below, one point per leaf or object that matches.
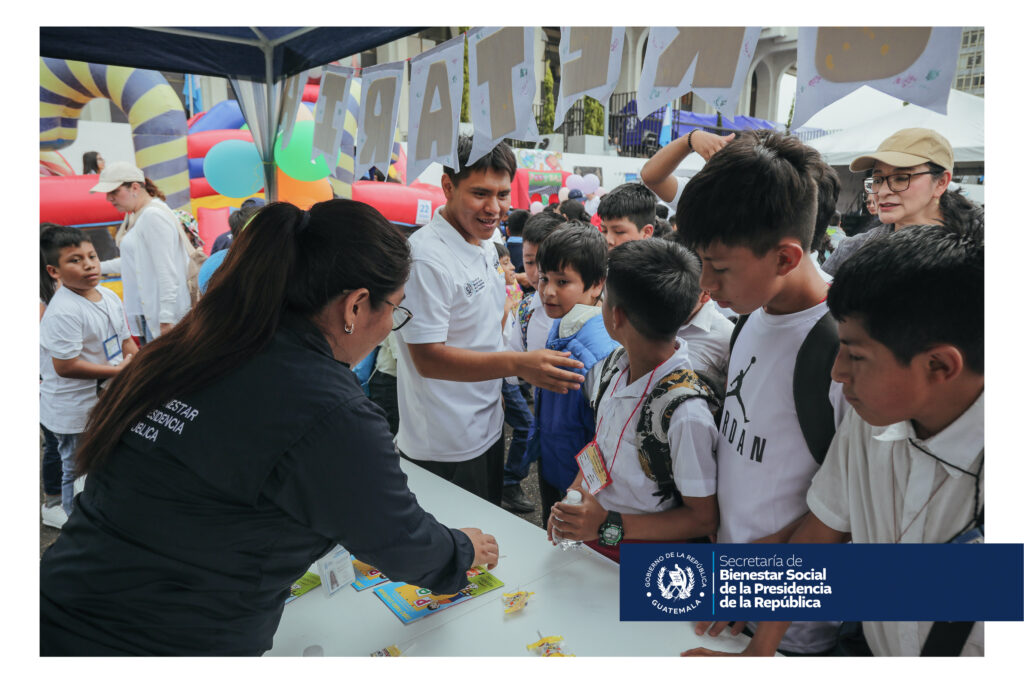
(399, 316)
(897, 182)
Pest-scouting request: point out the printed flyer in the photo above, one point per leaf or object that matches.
(306, 583)
(366, 576)
(410, 603)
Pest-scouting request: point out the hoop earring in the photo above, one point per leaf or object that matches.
(350, 328)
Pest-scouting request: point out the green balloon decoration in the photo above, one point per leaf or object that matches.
(294, 160)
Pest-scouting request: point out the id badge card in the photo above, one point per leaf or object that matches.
(335, 570)
(591, 462)
(112, 347)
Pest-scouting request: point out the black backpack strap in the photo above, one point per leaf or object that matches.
(653, 448)
(812, 379)
(607, 369)
(736, 330)
(946, 638)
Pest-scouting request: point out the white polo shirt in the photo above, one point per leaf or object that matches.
(692, 438)
(877, 486)
(707, 337)
(457, 296)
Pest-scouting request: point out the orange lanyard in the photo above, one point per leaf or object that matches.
(630, 418)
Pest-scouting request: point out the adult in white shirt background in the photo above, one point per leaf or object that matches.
(154, 260)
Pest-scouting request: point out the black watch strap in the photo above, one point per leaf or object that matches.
(611, 532)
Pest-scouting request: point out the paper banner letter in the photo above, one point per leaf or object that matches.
(378, 116)
(915, 64)
(591, 61)
(330, 113)
(293, 88)
(435, 101)
(501, 87)
(712, 62)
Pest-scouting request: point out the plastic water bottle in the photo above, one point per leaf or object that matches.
(573, 497)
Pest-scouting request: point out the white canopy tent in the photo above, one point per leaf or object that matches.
(963, 125)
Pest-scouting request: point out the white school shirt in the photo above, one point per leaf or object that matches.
(707, 337)
(457, 295)
(878, 487)
(691, 435)
(764, 465)
(537, 329)
(73, 326)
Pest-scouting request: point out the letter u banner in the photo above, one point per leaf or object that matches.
(833, 582)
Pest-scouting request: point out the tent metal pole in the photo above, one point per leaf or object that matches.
(270, 177)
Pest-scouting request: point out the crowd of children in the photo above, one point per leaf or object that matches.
(731, 322)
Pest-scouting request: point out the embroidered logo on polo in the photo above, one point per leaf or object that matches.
(474, 286)
(732, 429)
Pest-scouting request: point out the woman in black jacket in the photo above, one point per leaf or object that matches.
(238, 448)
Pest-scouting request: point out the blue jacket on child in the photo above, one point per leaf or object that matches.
(564, 423)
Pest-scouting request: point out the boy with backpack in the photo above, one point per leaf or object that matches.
(86, 337)
(750, 215)
(572, 262)
(656, 445)
(911, 318)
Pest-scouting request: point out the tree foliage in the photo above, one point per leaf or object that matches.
(546, 124)
(593, 117)
(465, 80)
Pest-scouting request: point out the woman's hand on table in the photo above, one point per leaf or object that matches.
(485, 547)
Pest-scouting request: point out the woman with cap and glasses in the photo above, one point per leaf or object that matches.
(909, 178)
(154, 258)
(238, 448)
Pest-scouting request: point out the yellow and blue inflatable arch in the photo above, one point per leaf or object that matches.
(151, 105)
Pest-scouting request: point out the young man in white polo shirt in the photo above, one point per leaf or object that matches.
(908, 467)
(450, 357)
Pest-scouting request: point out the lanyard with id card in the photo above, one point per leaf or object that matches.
(590, 460)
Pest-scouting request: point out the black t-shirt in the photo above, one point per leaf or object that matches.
(186, 541)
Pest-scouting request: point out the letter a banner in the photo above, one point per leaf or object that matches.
(378, 116)
(712, 62)
(591, 60)
(915, 64)
(501, 86)
(435, 102)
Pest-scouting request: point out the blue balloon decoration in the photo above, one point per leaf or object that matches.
(234, 168)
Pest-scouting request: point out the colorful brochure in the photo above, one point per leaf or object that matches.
(366, 576)
(306, 583)
(410, 602)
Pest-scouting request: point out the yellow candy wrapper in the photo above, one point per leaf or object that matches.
(515, 601)
(389, 651)
(551, 646)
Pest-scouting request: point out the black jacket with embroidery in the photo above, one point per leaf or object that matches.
(186, 541)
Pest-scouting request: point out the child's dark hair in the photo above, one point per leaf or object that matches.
(540, 225)
(656, 283)
(574, 211)
(516, 221)
(921, 286)
(579, 245)
(662, 228)
(240, 218)
(631, 201)
(828, 195)
(502, 250)
(661, 211)
(752, 193)
(54, 237)
(501, 158)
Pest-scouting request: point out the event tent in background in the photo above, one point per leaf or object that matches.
(257, 60)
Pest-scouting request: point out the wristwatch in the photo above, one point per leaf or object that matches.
(610, 533)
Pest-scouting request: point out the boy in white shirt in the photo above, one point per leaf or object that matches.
(86, 336)
(910, 308)
(750, 215)
(651, 288)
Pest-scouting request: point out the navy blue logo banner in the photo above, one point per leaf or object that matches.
(816, 582)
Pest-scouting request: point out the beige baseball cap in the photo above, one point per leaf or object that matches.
(909, 147)
(116, 174)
